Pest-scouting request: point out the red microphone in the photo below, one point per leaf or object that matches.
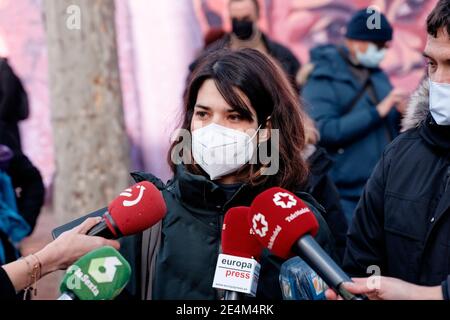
(237, 268)
(136, 209)
(238, 238)
(285, 225)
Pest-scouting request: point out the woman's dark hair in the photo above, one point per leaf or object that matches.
(270, 93)
(439, 18)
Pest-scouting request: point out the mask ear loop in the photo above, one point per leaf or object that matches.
(260, 127)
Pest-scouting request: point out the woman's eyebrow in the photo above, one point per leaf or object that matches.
(202, 107)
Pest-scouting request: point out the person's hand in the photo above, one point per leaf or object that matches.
(396, 97)
(71, 245)
(388, 289)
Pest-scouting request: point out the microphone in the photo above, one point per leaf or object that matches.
(285, 225)
(299, 282)
(99, 275)
(237, 269)
(136, 209)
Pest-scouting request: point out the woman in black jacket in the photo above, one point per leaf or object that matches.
(232, 96)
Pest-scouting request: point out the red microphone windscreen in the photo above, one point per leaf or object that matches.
(279, 218)
(238, 238)
(137, 208)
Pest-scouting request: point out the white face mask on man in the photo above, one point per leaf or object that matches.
(440, 102)
(372, 57)
(220, 151)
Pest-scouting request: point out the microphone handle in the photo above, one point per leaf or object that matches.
(101, 230)
(232, 295)
(308, 248)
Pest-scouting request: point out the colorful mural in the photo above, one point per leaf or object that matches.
(303, 24)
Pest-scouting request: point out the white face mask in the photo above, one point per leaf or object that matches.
(440, 102)
(220, 150)
(372, 57)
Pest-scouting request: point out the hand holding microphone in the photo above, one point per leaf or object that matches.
(136, 209)
(285, 225)
(99, 275)
(57, 255)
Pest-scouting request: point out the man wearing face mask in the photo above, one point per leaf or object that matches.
(244, 15)
(402, 222)
(353, 103)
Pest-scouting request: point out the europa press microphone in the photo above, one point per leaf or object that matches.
(99, 275)
(134, 210)
(237, 269)
(285, 225)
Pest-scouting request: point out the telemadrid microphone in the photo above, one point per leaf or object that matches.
(298, 281)
(134, 210)
(237, 268)
(285, 225)
(99, 275)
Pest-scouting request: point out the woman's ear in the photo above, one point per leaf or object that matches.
(264, 134)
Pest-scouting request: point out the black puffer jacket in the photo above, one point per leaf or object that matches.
(402, 222)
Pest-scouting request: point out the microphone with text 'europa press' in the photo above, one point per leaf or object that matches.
(237, 269)
(285, 225)
(99, 275)
(134, 210)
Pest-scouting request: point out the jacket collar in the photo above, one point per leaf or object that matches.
(418, 116)
(206, 196)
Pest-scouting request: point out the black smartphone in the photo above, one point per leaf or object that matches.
(72, 224)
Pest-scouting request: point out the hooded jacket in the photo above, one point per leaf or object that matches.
(402, 222)
(356, 138)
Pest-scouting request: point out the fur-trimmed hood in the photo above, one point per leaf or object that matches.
(418, 107)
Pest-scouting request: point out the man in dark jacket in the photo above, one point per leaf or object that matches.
(352, 102)
(246, 34)
(402, 222)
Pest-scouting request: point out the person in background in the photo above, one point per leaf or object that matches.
(13, 101)
(25, 177)
(13, 227)
(353, 104)
(57, 255)
(244, 15)
(402, 222)
(321, 187)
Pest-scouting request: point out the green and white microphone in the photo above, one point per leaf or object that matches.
(99, 275)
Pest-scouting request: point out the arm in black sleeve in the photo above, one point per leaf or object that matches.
(7, 290)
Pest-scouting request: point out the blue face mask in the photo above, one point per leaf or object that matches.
(440, 102)
(372, 57)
